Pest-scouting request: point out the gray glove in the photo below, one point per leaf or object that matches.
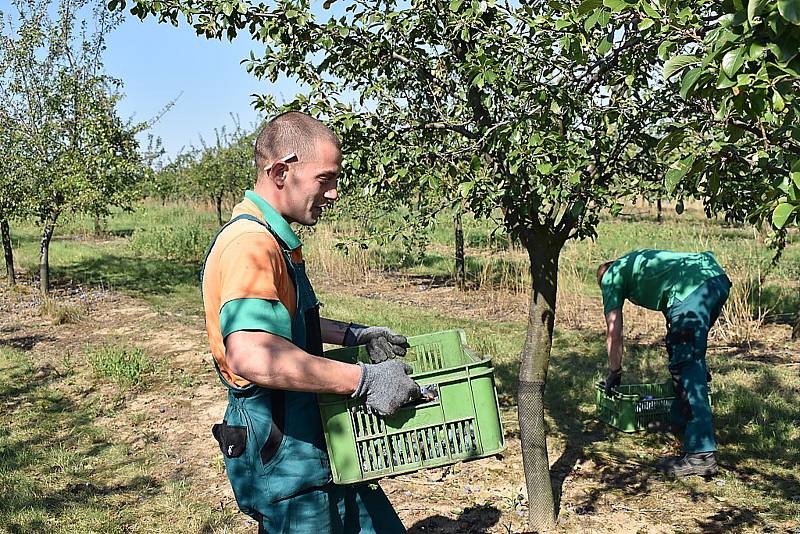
(385, 386)
(613, 379)
(382, 343)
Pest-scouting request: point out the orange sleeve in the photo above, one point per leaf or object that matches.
(252, 266)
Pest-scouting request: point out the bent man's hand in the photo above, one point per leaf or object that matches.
(613, 379)
(382, 343)
(385, 386)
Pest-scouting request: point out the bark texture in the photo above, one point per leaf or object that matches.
(544, 249)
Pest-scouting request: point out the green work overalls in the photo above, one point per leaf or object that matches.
(274, 447)
(688, 323)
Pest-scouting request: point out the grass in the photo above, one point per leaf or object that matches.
(61, 472)
(124, 366)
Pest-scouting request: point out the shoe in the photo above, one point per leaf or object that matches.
(698, 463)
(663, 427)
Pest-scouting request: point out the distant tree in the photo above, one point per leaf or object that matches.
(79, 155)
(224, 169)
(12, 185)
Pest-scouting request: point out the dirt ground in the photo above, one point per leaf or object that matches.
(482, 496)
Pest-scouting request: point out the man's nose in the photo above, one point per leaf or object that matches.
(331, 194)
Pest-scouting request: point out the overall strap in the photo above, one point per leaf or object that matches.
(246, 217)
(252, 218)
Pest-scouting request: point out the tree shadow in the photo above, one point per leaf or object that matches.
(729, 520)
(473, 520)
(24, 343)
(149, 276)
(76, 464)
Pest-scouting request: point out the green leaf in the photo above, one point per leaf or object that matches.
(587, 6)
(732, 61)
(678, 63)
(669, 142)
(605, 44)
(796, 179)
(778, 103)
(677, 172)
(784, 50)
(790, 10)
(723, 82)
(664, 48)
(689, 81)
(646, 23)
(455, 5)
(781, 214)
(650, 11)
(616, 5)
(754, 8)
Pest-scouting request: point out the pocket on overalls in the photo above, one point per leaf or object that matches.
(232, 439)
(237, 438)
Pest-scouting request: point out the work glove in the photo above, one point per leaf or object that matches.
(382, 343)
(385, 386)
(613, 379)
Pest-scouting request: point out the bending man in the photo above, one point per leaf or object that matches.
(690, 290)
(266, 336)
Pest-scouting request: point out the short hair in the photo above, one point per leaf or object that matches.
(601, 270)
(291, 132)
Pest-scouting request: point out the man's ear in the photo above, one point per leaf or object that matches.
(277, 173)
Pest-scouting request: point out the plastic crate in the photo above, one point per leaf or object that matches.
(462, 423)
(636, 405)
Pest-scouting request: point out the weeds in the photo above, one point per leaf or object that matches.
(62, 312)
(124, 366)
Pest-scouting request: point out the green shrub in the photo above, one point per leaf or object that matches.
(125, 366)
(182, 242)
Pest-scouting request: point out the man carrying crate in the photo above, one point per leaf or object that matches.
(690, 290)
(266, 336)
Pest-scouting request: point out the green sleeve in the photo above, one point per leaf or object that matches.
(613, 286)
(255, 314)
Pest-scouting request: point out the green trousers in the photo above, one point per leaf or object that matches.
(688, 323)
(333, 509)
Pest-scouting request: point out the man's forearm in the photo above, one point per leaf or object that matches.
(333, 331)
(614, 345)
(271, 361)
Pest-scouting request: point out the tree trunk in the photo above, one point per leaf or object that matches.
(44, 253)
(9, 252)
(460, 270)
(98, 226)
(658, 207)
(218, 203)
(543, 249)
(796, 329)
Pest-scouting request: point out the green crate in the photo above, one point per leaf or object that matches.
(462, 424)
(629, 411)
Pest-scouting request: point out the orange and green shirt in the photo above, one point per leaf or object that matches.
(246, 282)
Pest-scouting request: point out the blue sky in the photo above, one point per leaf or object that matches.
(157, 62)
